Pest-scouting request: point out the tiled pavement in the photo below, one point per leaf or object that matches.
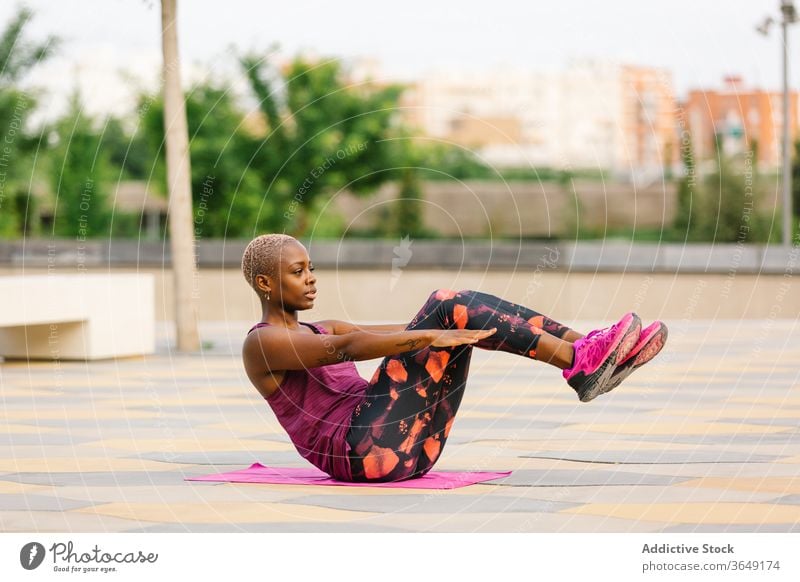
(706, 439)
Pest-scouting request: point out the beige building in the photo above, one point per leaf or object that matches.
(596, 115)
(740, 117)
(648, 120)
(127, 196)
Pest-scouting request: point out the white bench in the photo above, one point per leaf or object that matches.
(77, 317)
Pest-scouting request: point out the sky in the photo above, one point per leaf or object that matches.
(111, 46)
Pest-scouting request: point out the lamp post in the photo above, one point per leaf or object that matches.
(789, 16)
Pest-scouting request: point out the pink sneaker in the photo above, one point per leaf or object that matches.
(652, 339)
(597, 355)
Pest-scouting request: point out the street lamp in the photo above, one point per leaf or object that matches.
(789, 16)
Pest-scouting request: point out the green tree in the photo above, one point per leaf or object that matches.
(407, 213)
(726, 209)
(323, 135)
(796, 180)
(15, 162)
(81, 176)
(226, 189)
(409, 205)
(687, 186)
(449, 162)
(128, 153)
(18, 56)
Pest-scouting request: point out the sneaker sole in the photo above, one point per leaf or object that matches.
(600, 378)
(648, 352)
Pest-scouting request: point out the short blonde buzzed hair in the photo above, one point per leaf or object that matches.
(262, 256)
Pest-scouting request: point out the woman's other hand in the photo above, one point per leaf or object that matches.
(455, 337)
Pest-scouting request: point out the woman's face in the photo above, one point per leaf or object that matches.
(296, 284)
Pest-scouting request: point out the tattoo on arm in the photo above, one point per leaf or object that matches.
(412, 343)
(341, 356)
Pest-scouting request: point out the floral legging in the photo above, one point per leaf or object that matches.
(401, 428)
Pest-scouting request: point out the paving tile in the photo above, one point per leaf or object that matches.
(697, 513)
(25, 429)
(734, 528)
(12, 391)
(11, 502)
(90, 464)
(561, 444)
(131, 424)
(463, 424)
(645, 494)
(192, 399)
(54, 438)
(786, 399)
(190, 445)
(722, 470)
(767, 420)
(184, 492)
(440, 503)
(730, 439)
(461, 457)
(36, 415)
(116, 478)
(221, 512)
(274, 527)
(788, 500)
(7, 487)
(735, 412)
(783, 450)
(655, 457)
(244, 428)
(683, 428)
(782, 485)
(581, 478)
(515, 523)
(238, 457)
(61, 521)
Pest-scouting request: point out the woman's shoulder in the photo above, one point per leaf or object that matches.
(326, 326)
(265, 334)
(303, 327)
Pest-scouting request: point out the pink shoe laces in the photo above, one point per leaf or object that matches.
(595, 345)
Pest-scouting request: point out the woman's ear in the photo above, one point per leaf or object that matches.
(263, 283)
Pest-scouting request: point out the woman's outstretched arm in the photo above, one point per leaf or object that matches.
(282, 349)
(336, 327)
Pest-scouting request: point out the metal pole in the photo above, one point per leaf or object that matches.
(787, 158)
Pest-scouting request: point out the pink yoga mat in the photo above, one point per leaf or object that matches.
(258, 473)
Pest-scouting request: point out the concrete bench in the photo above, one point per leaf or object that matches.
(76, 317)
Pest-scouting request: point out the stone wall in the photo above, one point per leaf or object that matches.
(520, 209)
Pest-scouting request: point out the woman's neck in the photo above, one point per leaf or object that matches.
(279, 317)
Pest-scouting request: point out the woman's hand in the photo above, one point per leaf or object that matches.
(456, 337)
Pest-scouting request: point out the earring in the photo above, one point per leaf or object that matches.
(267, 295)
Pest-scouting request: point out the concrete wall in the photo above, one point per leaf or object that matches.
(384, 280)
(361, 295)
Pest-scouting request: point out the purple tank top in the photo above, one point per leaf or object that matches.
(315, 406)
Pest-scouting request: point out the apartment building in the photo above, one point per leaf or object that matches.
(740, 117)
(597, 115)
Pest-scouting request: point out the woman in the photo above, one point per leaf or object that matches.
(395, 426)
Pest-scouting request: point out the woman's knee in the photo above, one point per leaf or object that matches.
(442, 294)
